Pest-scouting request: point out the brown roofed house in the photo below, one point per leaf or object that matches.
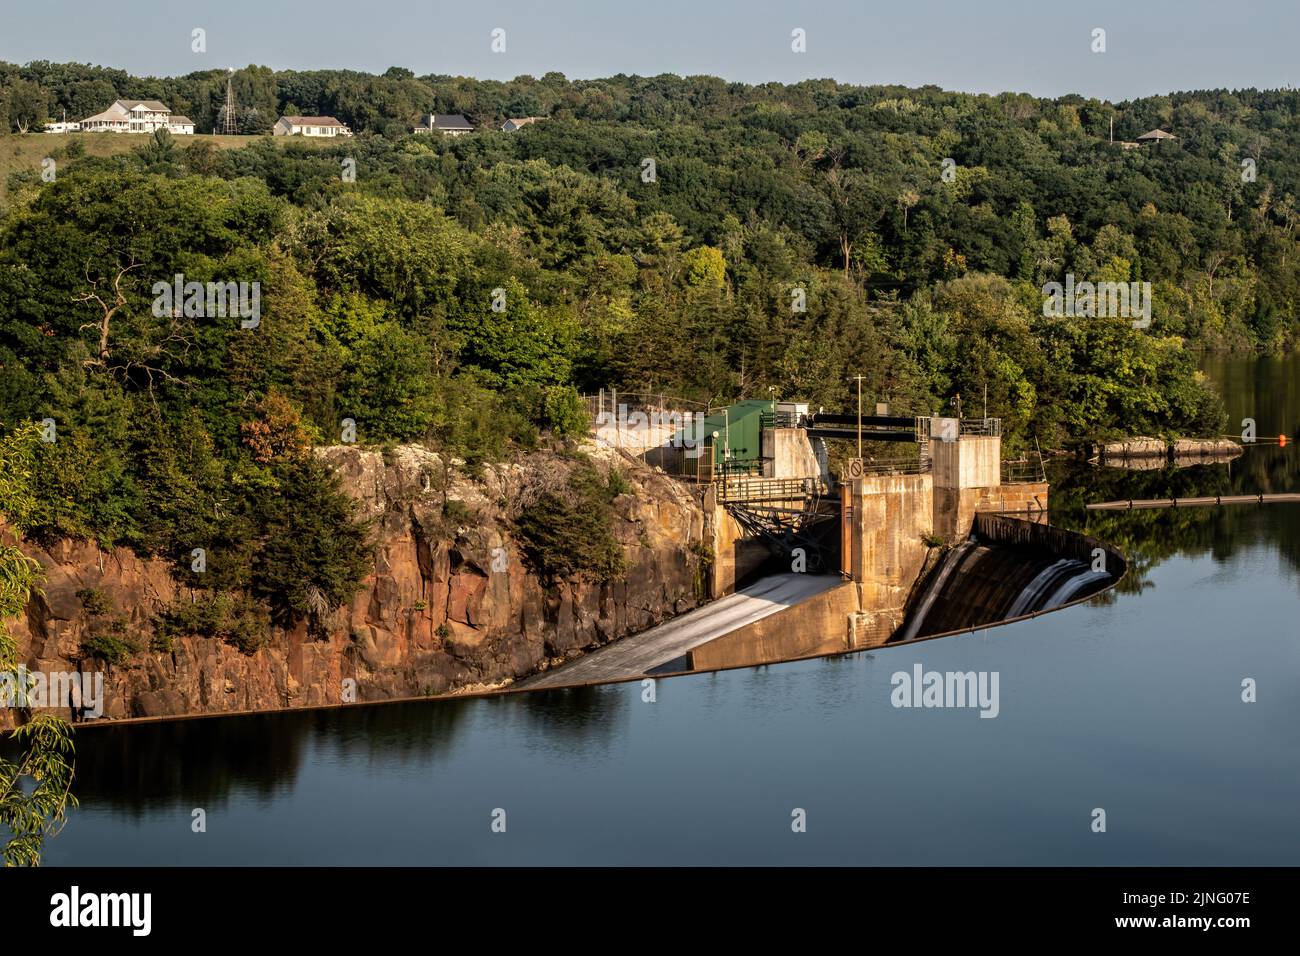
(1155, 136)
(517, 123)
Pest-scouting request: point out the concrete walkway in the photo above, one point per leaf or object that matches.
(638, 654)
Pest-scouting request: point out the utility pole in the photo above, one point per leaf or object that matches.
(859, 417)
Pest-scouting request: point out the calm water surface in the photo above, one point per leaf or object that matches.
(1131, 703)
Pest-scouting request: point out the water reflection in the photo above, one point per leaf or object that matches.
(1127, 701)
(1265, 389)
(138, 768)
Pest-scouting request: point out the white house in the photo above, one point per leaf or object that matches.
(449, 124)
(133, 116)
(317, 126)
(112, 120)
(517, 123)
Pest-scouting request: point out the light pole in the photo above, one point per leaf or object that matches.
(726, 441)
(859, 417)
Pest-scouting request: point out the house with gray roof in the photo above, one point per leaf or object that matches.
(449, 124)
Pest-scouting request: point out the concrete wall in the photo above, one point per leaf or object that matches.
(890, 516)
(820, 625)
(973, 467)
(973, 461)
(887, 517)
(788, 453)
(735, 556)
(955, 508)
(1028, 499)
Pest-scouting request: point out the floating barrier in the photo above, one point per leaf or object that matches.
(1193, 502)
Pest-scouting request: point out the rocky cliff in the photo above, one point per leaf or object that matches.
(449, 604)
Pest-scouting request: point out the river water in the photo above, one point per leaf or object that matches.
(1131, 704)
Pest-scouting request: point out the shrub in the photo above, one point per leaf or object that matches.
(569, 534)
(617, 484)
(456, 512)
(563, 412)
(94, 601)
(111, 644)
(234, 618)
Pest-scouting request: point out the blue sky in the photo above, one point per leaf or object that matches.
(1035, 46)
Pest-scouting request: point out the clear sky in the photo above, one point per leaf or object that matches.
(1036, 46)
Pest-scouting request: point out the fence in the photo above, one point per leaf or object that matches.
(897, 466)
(769, 489)
(778, 420)
(1019, 471)
(965, 426)
(663, 430)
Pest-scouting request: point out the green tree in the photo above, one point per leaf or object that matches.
(36, 784)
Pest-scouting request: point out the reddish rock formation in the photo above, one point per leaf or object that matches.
(434, 616)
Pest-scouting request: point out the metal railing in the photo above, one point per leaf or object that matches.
(981, 426)
(1016, 471)
(769, 489)
(897, 466)
(778, 420)
(965, 426)
(740, 467)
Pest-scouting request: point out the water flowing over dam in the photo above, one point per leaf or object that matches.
(1008, 570)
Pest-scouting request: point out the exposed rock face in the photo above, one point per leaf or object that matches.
(449, 604)
(1135, 448)
(1152, 453)
(1205, 448)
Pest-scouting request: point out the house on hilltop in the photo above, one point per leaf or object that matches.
(136, 116)
(1155, 136)
(319, 127)
(518, 123)
(449, 124)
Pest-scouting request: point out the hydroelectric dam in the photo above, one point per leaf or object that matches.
(808, 564)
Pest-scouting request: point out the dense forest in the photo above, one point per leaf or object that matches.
(688, 236)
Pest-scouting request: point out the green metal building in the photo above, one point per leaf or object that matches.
(738, 447)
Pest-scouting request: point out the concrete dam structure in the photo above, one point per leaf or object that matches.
(940, 545)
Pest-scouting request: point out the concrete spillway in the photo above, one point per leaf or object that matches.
(980, 583)
(642, 653)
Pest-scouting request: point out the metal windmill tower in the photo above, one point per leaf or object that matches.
(227, 123)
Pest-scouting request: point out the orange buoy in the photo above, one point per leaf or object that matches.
(1281, 440)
